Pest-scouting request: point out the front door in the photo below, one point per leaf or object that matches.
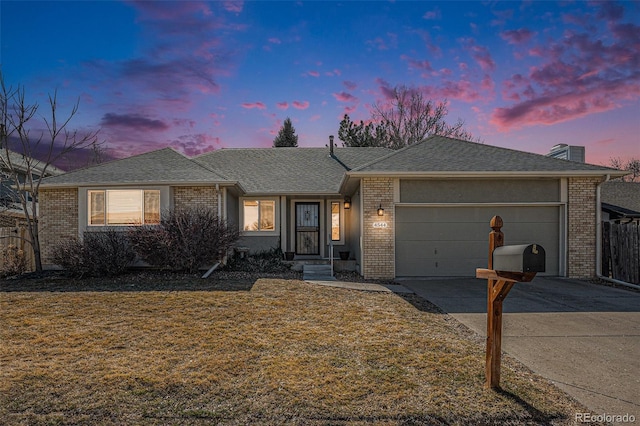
(307, 228)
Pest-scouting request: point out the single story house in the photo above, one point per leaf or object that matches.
(420, 211)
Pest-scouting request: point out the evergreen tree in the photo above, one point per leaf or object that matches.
(286, 136)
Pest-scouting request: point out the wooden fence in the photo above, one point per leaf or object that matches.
(17, 237)
(621, 251)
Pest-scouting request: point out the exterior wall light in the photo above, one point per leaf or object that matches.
(380, 211)
(347, 203)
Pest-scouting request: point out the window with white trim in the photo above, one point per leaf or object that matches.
(258, 215)
(123, 207)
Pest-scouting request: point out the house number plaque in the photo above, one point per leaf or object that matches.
(380, 225)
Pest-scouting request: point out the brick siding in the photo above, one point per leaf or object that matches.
(582, 227)
(58, 219)
(378, 244)
(195, 196)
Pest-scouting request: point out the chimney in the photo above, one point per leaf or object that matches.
(331, 145)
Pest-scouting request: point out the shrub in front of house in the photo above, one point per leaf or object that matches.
(104, 253)
(13, 261)
(269, 261)
(184, 240)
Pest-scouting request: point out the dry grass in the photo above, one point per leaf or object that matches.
(285, 352)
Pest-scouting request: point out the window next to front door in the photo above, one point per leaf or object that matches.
(337, 216)
(258, 216)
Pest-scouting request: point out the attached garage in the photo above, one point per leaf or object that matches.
(453, 240)
(436, 198)
(442, 226)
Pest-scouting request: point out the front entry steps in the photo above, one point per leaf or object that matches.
(338, 265)
(317, 273)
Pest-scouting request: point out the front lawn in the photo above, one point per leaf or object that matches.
(277, 352)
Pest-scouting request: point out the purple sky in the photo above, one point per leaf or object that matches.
(204, 75)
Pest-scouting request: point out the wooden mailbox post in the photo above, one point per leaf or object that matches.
(499, 283)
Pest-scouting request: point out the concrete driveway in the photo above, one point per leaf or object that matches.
(583, 337)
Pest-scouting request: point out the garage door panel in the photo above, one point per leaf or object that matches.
(440, 267)
(445, 215)
(440, 249)
(462, 231)
(453, 241)
(528, 214)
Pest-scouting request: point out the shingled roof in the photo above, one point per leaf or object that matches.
(164, 166)
(622, 194)
(261, 171)
(438, 154)
(288, 170)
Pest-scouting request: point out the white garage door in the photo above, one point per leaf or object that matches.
(453, 241)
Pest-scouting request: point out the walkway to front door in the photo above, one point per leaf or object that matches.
(308, 228)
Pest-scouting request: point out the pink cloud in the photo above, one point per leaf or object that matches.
(519, 36)
(195, 144)
(547, 110)
(300, 104)
(385, 89)
(233, 6)
(384, 43)
(431, 15)
(315, 117)
(252, 105)
(345, 97)
(481, 54)
(313, 73)
(580, 74)
(462, 90)
(350, 85)
(274, 40)
(416, 64)
(487, 84)
(282, 105)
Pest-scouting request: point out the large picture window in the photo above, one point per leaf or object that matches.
(124, 207)
(259, 215)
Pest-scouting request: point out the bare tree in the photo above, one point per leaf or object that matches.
(409, 118)
(27, 156)
(632, 165)
(406, 118)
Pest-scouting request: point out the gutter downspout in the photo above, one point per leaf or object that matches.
(599, 241)
(219, 195)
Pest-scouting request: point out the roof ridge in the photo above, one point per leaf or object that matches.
(391, 154)
(488, 146)
(142, 154)
(115, 160)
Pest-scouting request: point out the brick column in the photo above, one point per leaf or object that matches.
(58, 219)
(582, 227)
(378, 244)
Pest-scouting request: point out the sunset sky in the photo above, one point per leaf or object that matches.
(199, 76)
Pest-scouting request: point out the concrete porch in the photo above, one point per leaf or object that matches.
(338, 265)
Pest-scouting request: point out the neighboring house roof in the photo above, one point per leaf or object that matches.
(441, 155)
(621, 198)
(165, 166)
(288, 170)
(19, 163)
(617, 212)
